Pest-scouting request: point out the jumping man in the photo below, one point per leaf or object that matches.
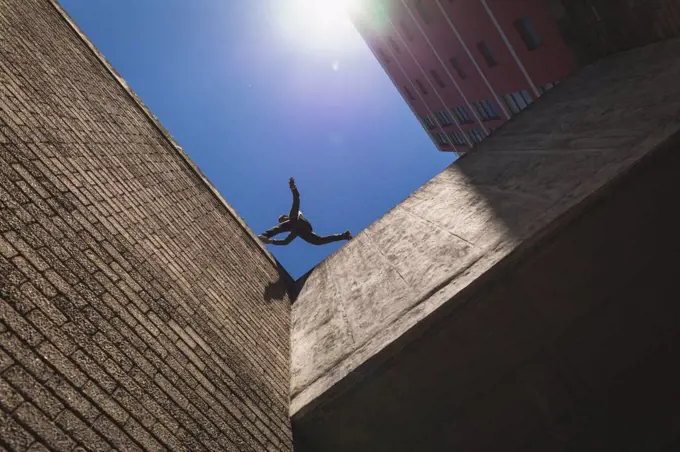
(297, 225)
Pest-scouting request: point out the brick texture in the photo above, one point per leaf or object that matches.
(136, 310)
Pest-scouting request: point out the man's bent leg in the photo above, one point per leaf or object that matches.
(278, 229)
(285, 241)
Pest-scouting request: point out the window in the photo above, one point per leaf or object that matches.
(422, 11)
(486, 53)
(393, 44)
(511, 104)
(442, 139)
(406, 30)
(437, 79)
(383, 56)
(462, 115)
(545, 88)
(528, 33)
(518, 101)
(420, 86)
(449, 117)
(408, 93)
(490, 109)
(486, 110)
(457, 138)
(475, 135)
(480, 111)
(429, 123)
(455, 64)
(445, 118)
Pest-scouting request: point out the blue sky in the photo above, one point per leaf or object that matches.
(257, 91)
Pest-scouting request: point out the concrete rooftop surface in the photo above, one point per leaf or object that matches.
(360, 306)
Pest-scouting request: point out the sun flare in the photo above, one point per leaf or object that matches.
(319, 25)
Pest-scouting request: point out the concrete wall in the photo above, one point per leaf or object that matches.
(502, 276)
(137, 311)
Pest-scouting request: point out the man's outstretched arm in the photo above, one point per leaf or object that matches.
(295, 208)
(285, 241)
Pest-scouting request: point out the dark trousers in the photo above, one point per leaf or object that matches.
(302, 229)
(311, 237)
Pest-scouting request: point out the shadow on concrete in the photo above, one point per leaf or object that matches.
(300, 282)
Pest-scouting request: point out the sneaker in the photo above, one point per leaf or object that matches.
(347, 234)
(263, 239)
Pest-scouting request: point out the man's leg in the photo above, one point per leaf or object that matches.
(278, 229)
(315, 239)
(283, 242)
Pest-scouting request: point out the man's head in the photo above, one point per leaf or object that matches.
(283, 218)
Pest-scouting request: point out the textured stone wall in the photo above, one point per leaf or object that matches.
(137, 312)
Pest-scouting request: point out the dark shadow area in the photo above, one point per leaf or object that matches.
(595, 29)
(284, 285)
(300, 282)
(494, 204)
(276, 290)
(568, 344)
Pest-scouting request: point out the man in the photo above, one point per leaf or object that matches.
(298, 226)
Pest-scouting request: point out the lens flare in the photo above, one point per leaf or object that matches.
(319, 25)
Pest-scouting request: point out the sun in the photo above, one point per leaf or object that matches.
(319, 25)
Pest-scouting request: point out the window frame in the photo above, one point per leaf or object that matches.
(422, 12)
(490, 109)
(383, 56)
(421, 87)
(429, 123)
(437, 79)
(487, 54)
(455, 64)
(391, 41)
(405, 29)
(528, 33)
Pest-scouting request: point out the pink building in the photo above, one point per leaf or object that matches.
(465, 66)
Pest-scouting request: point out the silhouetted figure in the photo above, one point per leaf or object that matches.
(298, 226)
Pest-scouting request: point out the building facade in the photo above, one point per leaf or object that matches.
(465, 67)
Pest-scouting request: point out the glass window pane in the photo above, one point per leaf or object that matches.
(422, 11)
(486, 53)
(519, 100)
(527, 97)
(528, 33)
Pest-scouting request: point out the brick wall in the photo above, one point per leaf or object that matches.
(137, 312)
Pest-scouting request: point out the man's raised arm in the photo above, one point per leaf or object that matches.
(295, 208)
